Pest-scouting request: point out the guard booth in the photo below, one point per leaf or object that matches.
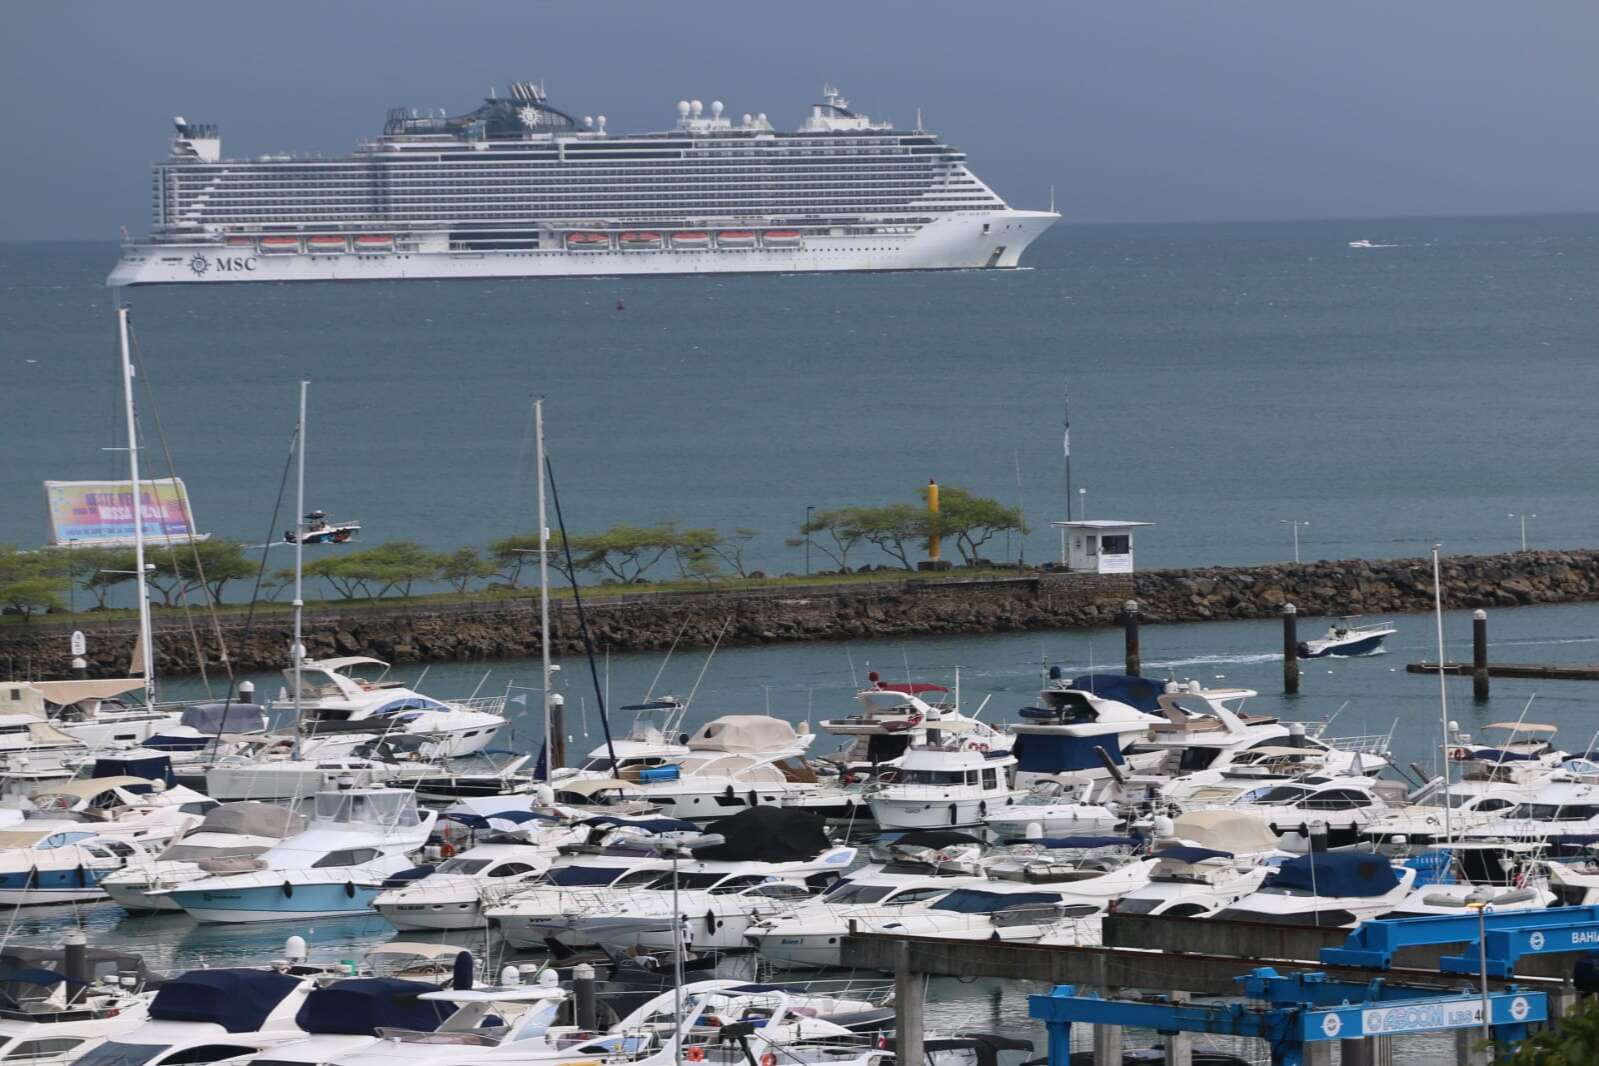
(1098, 546)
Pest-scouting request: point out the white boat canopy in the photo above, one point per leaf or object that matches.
(744, 733)
(1523, 727)
(30, 697)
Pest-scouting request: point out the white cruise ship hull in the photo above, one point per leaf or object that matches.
(968, 241)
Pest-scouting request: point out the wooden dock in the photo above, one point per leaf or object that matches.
(1576, 672)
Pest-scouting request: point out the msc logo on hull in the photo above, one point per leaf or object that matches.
(237, 264)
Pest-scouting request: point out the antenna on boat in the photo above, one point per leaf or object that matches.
(1052, 198)
(855, 682)
(650, 692)
(727, 622)
(146, 649)
(1443, 689)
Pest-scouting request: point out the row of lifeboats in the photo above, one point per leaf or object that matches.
(687, 240)
(320, 244)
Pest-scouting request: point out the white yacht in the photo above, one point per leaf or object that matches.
(939, 787)
(1328, 888)
(451, 896)
(1051, 808)
(1007, 911)
(44, 863)
(209, 1016)
(1076, 721)
(353, 842)
(47, 1021)
(1344, 638)
(1189, 882)
(1503, 876)
(1342, 806)
(345, 701)
(90, 710)
(734, 762)
(229, 831)
(1561, 813)
(149, 811)
(344, 1017)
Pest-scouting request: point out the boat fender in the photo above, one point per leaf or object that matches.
(710, 922)
(730, 793)
(982, 809)
(349, 889)
(954, 817)
(754, 800)
(288, 889)
(82, 880)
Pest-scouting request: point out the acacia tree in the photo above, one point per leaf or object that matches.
(463, 566)
(30, 581)
(625, 552)
(694, 551)
(177, 573)
(731, 549)
(511, 554)
(894, 528)
(843, 527)
(94, 570)
(971, 521)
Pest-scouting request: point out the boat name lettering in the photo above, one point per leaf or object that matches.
(229, 264)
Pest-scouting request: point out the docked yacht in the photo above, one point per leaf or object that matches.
(939, 787)
(1326, 888)
(1051, 808)
(1504, 876)
(344, 1017)
(1079, 725)
(342, 708)
(1014, 912)
(733, 762)
(229, 831)
(50, 1021)
(353, 842)
(1342, 806)
(451, 895)
(655, 739)
(208, 1016)
(145, 810)
(1564, 814)
(44, 863)
(1189, 882)
(91, 711)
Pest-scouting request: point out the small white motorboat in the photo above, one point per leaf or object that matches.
(1344, 640)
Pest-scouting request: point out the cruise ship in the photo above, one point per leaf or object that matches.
(520, 188)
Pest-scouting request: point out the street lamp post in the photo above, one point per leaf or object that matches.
(1296, 523)
(1082, 505)
(808, 510)
(1523, 518)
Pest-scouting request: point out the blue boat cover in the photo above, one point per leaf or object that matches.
(649, 825)
(151, 768)
(1139, 692)
(1335, 873)
(1104, 841)
(1497, 755)
(583, 876)
(1186, 854)
(401, 877)
(36, 976)
(976, 901)
(237, 1000)
(358, 1007)
(1047, 753)
(659, 773)
(481, 821)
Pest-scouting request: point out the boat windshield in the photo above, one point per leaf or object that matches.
(976, 901)
(933, 777)
(369, 808)
(1281, 794)
(859, 894)
(113, 1053)
(462, 866)
(582, 876)
(1555, 812)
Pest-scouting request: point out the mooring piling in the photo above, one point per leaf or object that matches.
(1130, 630)
(1290, 649)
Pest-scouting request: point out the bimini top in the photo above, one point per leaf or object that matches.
(237, 1000)
(359, 1007)
(89, 787)
(1137, 692)
(744, 733)
(1336, 873)
(149, 767)
(767, 834)
(1239, 832)
(253, 818)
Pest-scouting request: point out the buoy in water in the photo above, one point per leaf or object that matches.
(620, 306)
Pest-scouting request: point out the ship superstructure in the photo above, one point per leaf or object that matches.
(518, 187)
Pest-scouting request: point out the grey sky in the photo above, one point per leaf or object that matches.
(1136, 110)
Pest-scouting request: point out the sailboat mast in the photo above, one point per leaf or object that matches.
(544, 589)
(298, 650)
(146, 649)
(1443, 688)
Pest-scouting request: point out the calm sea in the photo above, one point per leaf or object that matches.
(1223, 379)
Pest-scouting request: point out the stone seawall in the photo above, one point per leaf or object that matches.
(410, 633)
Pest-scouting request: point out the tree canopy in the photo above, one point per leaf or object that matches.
(32, 580)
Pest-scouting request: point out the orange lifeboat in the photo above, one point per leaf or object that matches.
(691, 240)
(374, 242)
(241, 242)
(736, 238)
(280, 244)
(641, 241)
(781, 238)
(588, 242)
(326, 244)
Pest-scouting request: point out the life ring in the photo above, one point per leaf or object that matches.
(447, 850)
(694, 1053)
(769, 1059)
(977, 745)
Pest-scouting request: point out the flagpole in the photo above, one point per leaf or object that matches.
(1066, 408)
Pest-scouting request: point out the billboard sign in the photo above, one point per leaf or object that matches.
(101, 512)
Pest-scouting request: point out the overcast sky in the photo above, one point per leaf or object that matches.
(1135, 110)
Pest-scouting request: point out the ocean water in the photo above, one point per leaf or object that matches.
(1223, 379)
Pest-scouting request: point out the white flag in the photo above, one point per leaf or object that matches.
(1066, 408)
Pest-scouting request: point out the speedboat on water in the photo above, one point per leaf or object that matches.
(1325, 888)
(229, 831)
(938, 788)
(210, 1015)
(353, 842)
(1346, 639)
